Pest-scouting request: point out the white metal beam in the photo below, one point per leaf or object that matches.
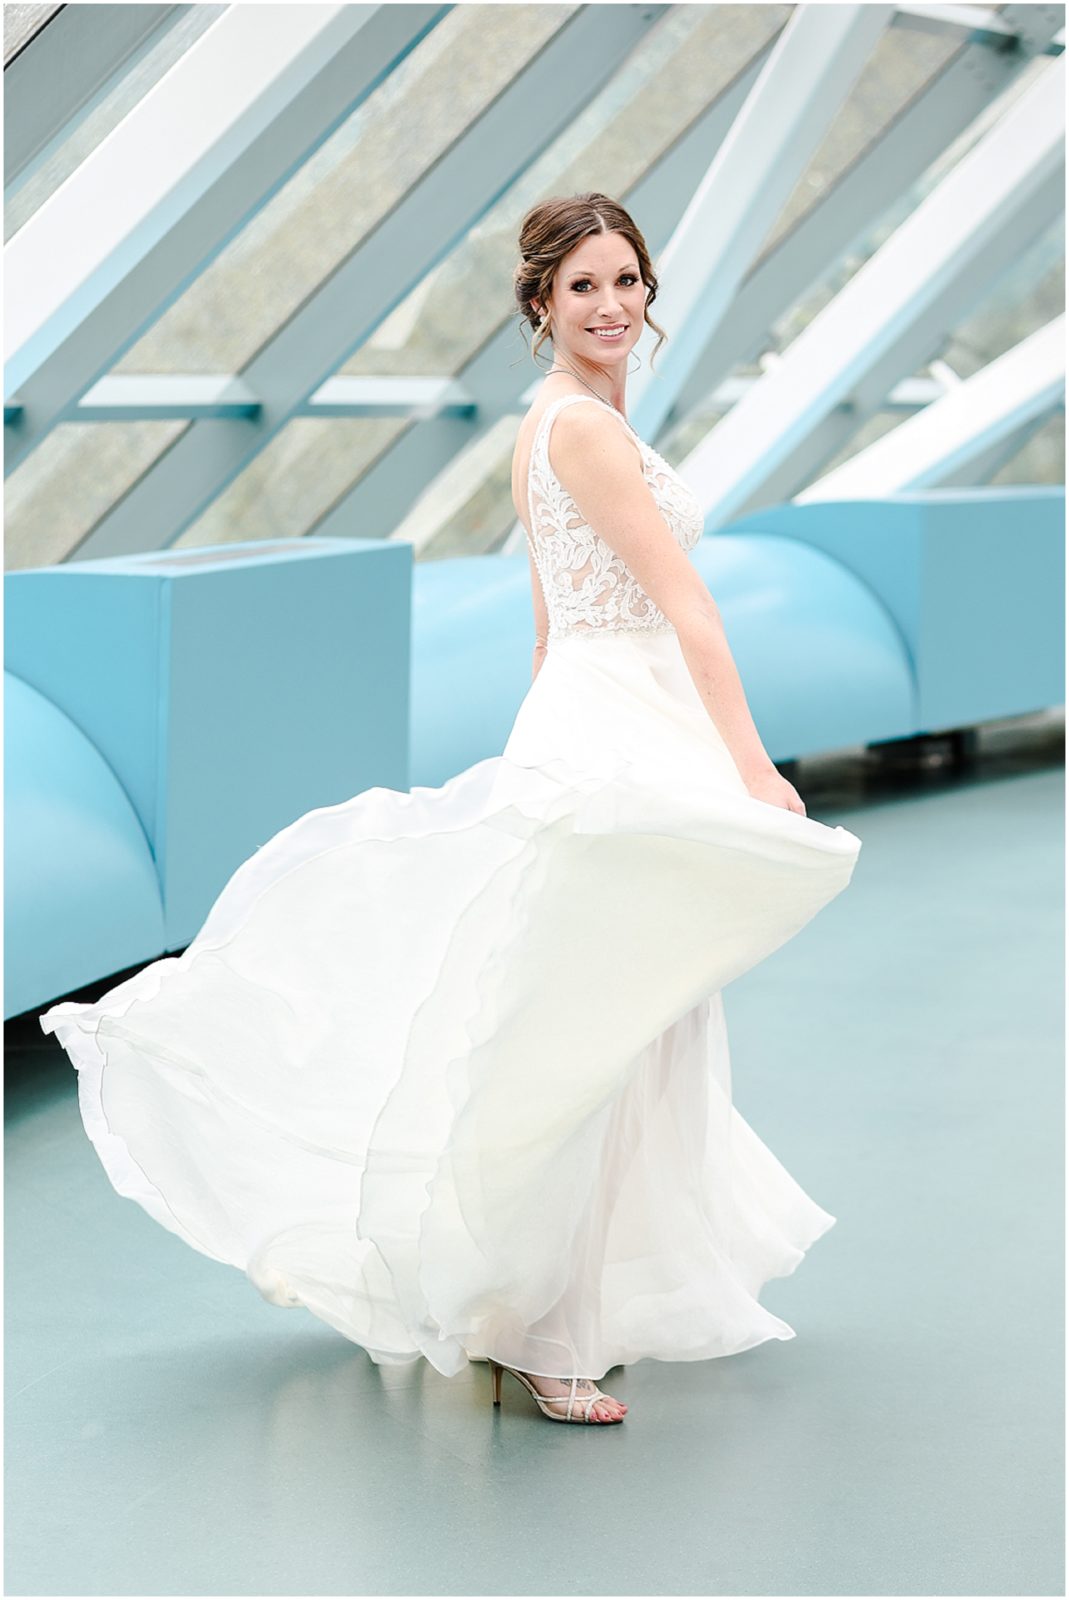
(981, 468)
(892, 313)
(167, 396)
(58, 73)
(404, 395)
(941, 441)
(808, 74)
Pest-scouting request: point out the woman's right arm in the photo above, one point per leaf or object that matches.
(598, 464)
(541, 617)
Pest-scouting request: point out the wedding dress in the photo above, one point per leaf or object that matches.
(449, 1068)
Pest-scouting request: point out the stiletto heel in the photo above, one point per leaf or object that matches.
(579, 1408)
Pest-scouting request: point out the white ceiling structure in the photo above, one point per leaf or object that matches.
(258, 257)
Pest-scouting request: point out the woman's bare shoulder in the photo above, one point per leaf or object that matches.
(576, 428)
(542, 402)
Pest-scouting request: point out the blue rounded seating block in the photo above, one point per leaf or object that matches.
(82, 895)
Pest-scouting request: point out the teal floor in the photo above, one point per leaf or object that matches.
(169, 1433)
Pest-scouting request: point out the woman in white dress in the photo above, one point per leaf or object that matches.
(449, 1068)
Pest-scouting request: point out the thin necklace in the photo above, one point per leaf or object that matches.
(590, 386)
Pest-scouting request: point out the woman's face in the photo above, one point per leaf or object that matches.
(597, 285)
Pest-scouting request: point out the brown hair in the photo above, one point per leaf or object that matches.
(550, 231)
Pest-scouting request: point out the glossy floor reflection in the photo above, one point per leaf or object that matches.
(170, 1433)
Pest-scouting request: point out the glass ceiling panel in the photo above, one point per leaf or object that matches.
(685, 63)
(267, 271)
(21, 23)
(343, 192)
(96, 119)
(1041, 459)
(1022, 300)
(460, 512)
(69, 481)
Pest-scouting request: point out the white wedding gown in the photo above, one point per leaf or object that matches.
(449, 1068)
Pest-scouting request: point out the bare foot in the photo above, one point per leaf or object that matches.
(605, 1409)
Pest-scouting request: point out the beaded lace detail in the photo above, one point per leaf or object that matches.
(588, 588)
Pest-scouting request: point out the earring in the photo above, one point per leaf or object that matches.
(538, 329)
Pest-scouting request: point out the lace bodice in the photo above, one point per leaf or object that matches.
(588, 588)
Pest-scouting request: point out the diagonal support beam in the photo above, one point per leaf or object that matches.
(62, 68)
(981, 468)
(953, 433)
(122, 237)
(892, 313)
(814, 65)
(447, 201)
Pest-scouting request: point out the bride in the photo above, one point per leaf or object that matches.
(449, 1068)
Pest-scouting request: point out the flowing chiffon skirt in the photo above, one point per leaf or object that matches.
(449, 1068)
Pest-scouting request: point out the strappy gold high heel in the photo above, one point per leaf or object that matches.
(544, 1402)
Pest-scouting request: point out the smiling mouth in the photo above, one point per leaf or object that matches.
(609, 333)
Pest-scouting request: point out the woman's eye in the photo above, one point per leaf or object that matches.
(629, 276)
